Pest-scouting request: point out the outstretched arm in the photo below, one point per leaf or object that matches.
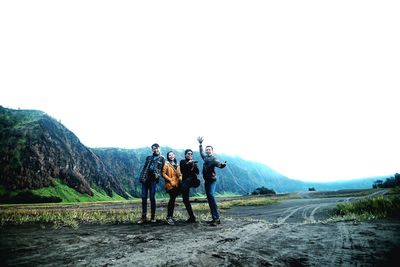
(217, 163)
(222, 165)
(200, 139)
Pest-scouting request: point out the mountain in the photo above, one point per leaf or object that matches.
(125, 164)
(35, 149)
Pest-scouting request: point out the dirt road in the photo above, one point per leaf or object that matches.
(291, 233)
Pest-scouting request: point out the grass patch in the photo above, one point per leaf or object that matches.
(68, 194)
(257, 201)
(370, 208)
(394, 190)
(226, 194)
(68, 217)
(59, 191)
(73, 214)
(2, 190)
(229, 203)
(217, 194)
(73, 217)
(344, 193)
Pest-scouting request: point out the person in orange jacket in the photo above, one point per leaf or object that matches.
(172, 176)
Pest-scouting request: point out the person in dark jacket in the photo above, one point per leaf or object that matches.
(189, 170)
(149, 177)
(210, 178)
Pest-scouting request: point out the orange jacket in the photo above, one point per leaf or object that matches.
(171, 176)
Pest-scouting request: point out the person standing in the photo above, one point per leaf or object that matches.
(189, 170)
(172, 175)
(210, 178)
(149, 177)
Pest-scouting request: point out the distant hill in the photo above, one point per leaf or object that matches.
(350, 184)
(36, 151)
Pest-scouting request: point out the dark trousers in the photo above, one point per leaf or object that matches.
(185, 189)
(173, 193)
(149, 188)
(186, 201)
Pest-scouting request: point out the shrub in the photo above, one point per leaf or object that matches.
(263, 191)
(380, 207)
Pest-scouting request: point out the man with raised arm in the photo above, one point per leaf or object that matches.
(210, 178)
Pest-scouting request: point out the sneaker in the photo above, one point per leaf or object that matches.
(153, 220)
(142, 221)
(191, 220)
(215, 222)
(170, 221)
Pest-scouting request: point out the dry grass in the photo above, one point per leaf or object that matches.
(108, 213)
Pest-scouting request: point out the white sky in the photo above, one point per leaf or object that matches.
(306, 87)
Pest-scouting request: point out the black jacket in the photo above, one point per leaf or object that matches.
(152, 169)
(188, 170)
(210, 162)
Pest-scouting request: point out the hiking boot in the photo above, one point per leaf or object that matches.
(142, 220)
(215, 222)
(191, 220)
(170, 221)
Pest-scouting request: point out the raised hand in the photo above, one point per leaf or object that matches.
(200, 139)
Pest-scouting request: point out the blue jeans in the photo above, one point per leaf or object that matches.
(146, 188)
(210, 187)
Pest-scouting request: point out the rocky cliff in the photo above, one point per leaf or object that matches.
(35, 149)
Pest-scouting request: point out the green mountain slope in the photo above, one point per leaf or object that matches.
(35, 149)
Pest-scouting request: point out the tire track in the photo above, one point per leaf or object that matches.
(293, 211)
(342, 246)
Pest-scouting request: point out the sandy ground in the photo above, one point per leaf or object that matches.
(290, 233)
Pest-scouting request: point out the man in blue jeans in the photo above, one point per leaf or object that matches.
(149, 178)
(210, 178)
